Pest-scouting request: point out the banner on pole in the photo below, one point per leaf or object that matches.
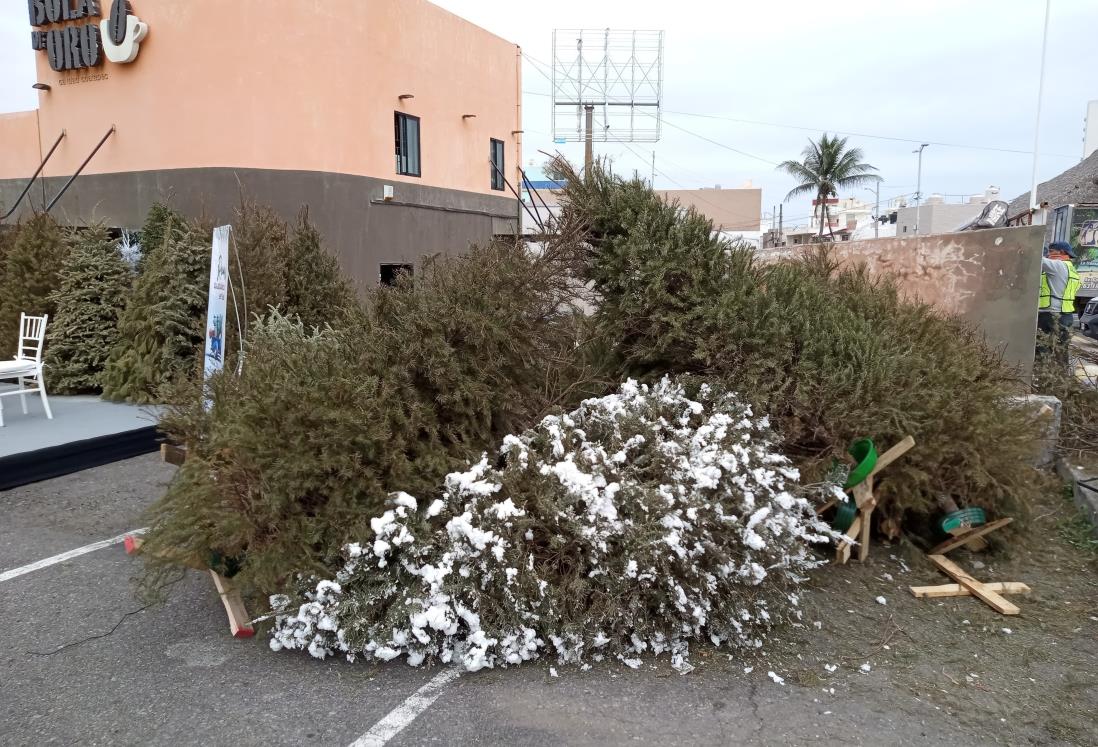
(215, 309)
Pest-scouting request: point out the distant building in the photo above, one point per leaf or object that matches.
(938, 216)
(731, 210)
(848, 218)
(1070, 198)
(736, 213)
(1090, 130)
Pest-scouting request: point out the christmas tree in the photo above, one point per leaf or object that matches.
(30, 273)
(161, 329)
(317, 291)
(89, 299)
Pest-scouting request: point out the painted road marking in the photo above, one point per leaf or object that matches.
(16, 572)
(406, 712)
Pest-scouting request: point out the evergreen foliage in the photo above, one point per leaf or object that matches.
(317, 291)
(301, 449)
(158, 222)
(286, 268)
(832, 354)
(90, 297)
(30, 272)
(161, 331)
(637, 523)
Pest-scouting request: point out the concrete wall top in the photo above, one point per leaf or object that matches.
(309, 86)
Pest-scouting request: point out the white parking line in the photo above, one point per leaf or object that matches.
(16, 572)
(406, 712)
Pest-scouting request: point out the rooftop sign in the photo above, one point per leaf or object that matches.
(81, 40)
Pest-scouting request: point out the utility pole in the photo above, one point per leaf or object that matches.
(1033, 202)
(653, 182)
(588, 147)
(919, 186)
(781, 236)
(877, 210)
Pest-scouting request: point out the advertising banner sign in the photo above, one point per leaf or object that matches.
(215, 310)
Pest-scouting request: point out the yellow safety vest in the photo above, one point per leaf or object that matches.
(1070, 290)
(1067, 303)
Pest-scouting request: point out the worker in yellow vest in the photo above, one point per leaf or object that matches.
(1059, 284)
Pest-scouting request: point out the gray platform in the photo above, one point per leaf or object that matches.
(85, 432)
(74, 419)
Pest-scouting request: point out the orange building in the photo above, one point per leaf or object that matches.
(388, 118)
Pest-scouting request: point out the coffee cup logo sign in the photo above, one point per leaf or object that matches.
(79, 45)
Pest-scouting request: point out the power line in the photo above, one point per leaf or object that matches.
(872, 136)
(856, 134)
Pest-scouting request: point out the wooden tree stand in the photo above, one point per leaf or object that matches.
(865, 502)
(239, 622)
(989, 594)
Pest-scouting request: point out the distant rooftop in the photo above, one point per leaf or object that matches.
(1079, 184)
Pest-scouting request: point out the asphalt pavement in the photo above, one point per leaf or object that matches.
(171, 674)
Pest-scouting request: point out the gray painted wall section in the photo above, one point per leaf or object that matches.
(358, 227)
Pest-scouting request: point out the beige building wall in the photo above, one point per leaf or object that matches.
(19, 144)
(293, 104)
(729, 209)
(311, 88)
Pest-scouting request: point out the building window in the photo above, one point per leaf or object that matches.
(407, 144)
(390, 273)
(498, 168)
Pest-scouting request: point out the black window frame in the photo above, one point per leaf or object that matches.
(403, 156)
(498, 182)
(389, 273)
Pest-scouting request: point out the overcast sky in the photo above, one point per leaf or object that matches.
(938, 71)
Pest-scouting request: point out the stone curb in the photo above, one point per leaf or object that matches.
(1086, 498)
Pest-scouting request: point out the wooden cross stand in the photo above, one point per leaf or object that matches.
(989, 594)
(866, 502)
(239, 623)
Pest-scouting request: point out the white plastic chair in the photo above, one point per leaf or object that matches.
(27, 366)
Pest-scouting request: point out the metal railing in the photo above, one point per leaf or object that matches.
(34, 178)
(72, 179)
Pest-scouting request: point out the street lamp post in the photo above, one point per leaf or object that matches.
(919, 186)
(877, 208)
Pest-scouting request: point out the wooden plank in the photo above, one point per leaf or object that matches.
(863, 536)
(863, 492)
(955, 542)
(893, 454)
(173, 454)
(988, 597)
(978, 544)
(239, 622)
(842, 550)
(956, 590)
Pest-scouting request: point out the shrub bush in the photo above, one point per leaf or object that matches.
(32, 263)
(90, 297)
(639, 522)
(300, 450)
(832, 354)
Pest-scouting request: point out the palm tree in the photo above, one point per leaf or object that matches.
(828, 166)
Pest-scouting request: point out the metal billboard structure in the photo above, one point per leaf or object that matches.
(607, 86)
